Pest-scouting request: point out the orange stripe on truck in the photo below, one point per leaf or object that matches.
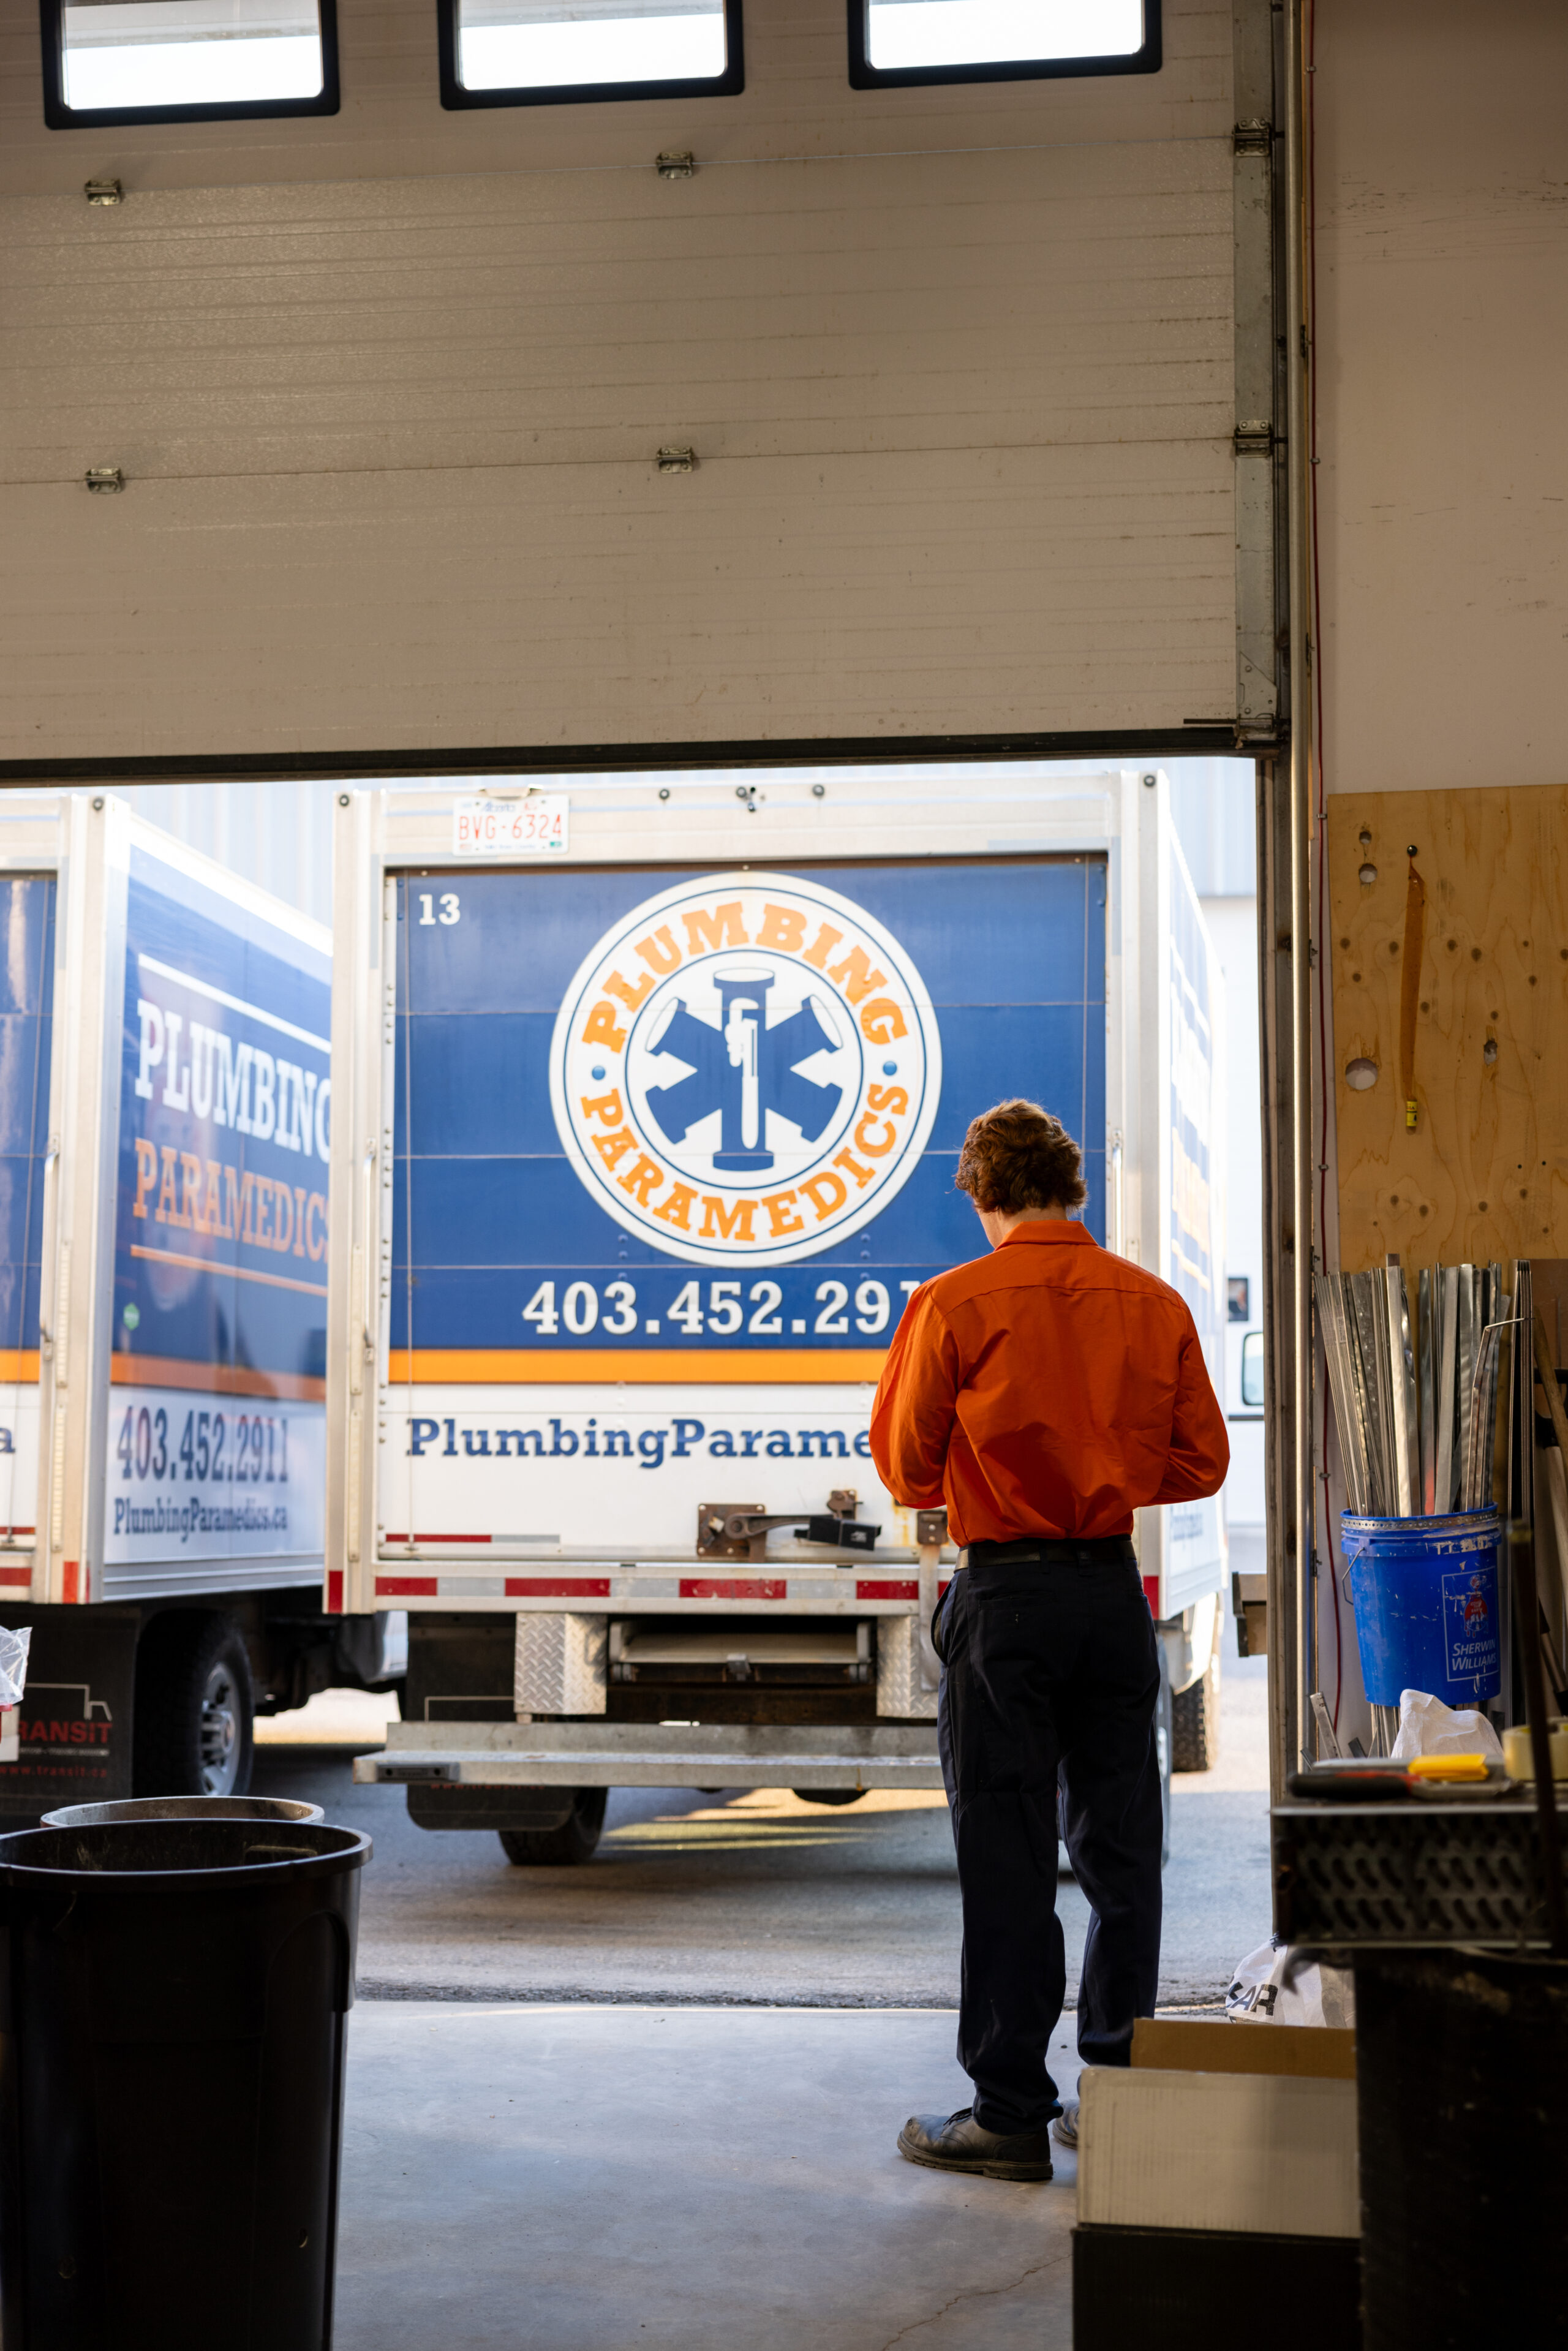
(214, 1379)
(757, 1367)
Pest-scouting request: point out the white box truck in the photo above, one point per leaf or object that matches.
(165, 1109)
(650, 1096)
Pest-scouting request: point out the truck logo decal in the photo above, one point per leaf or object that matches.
(744, 1069)
(747, 1072)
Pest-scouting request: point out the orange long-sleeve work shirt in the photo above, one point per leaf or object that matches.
(1047, 1389)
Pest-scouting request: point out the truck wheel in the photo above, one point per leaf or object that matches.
(1195, 1721)
(575, 1841)
(194, 1707)
(829, 1795)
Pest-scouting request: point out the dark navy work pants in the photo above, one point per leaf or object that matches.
(1049, 1679)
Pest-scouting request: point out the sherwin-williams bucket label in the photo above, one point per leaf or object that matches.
(1469, 1624)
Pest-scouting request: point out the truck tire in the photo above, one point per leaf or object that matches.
(194, 1707)
(1195, 1721)
(575, 1841)
(829, 1795)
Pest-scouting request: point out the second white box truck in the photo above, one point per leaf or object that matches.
(650, 1098)
(165, 1110)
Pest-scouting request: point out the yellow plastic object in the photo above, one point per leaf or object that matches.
(1447, 1766)
(1519, 1760)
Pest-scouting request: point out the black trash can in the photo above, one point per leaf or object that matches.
(181, 1808)
(173, 1999)
(1463, 2087)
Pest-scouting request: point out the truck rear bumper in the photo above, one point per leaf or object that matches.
(655, 1755)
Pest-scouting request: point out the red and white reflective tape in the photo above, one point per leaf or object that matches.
(653, 1584)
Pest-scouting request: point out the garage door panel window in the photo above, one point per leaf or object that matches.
(895, 42)
(175, 61)
(544, 52)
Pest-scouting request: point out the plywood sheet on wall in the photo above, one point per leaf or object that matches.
(1484, 1173)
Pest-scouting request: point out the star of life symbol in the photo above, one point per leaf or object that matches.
(749, 1071)
(744, 1069)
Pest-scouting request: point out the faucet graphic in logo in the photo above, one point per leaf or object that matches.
(744, 1069)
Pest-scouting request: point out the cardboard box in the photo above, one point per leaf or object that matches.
(1217, 2046)
(1260, 2153)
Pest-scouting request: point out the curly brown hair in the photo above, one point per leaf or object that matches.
(1017, 1156)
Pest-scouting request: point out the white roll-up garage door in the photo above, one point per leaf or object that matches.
(387, 391)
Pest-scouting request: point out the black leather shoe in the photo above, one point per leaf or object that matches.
(958, 2143)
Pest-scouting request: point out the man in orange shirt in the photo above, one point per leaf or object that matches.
(1043, 1394)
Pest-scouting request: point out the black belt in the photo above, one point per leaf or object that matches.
(1048, 1551)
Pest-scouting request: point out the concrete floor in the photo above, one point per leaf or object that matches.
(655, 2101)
(588, 2179)
(752, 1896)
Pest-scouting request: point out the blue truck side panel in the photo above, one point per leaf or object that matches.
(487, 1205)
(27, 1042)
(216, 1438)
(215, 1277)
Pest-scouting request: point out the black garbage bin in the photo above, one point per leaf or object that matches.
(181, 1808)
(1463, 2087)
(173, 1998)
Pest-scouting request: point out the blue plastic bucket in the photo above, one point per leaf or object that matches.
(1425, 1597)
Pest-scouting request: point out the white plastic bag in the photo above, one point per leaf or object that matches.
(1427, 1727)
(1277, 1984)
(14, 1647)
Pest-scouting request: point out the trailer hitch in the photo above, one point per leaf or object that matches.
(740, 1530)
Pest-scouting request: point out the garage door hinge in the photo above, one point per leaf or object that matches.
(1254, 136)
(1254, 437)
